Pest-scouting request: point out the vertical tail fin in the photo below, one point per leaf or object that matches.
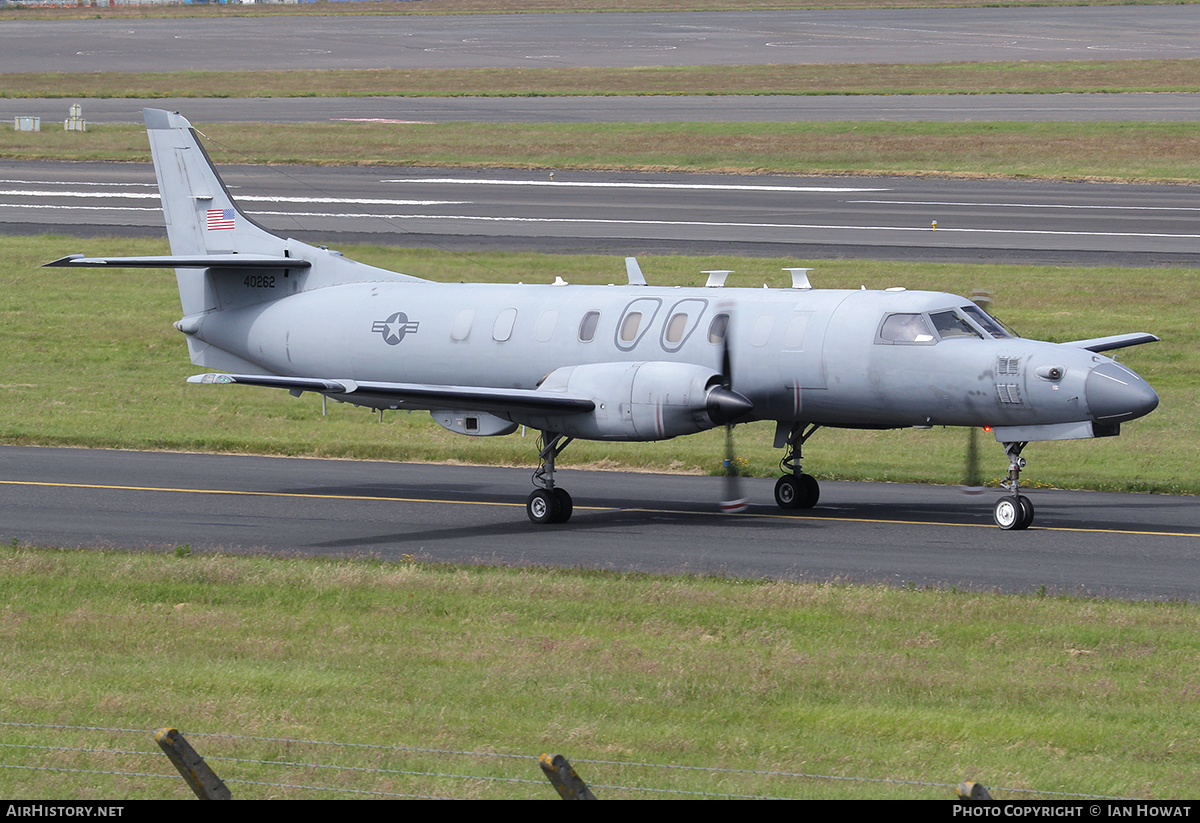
(200, 214)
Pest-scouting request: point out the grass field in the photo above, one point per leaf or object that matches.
(809, 691)
(1080, 76)
(1127, 151)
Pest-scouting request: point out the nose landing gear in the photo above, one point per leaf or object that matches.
(1014, 512)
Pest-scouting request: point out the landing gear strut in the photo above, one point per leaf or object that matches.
(1013, 512)
(795, 490)
(549, 504)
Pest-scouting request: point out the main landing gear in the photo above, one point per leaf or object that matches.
(796, 490)
(549, 504)
(1013, 512)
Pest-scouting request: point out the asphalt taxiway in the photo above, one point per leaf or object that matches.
(1090, 543)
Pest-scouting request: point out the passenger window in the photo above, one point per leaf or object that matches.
(502, 329)
(629, 326)
(949, 325)
(906, 328)
(545, 326)
(636, 320)
(587, 326)
(718, 327)
(461, 329)
(793, 335)
(684, 319)
(760, 332)
(676, 326)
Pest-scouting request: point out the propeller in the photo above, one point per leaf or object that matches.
(727, 406)
(973, 477)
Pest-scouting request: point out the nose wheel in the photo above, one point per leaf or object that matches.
(1013, 513)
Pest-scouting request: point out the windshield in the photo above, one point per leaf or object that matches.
(990, 324)
(950, 324)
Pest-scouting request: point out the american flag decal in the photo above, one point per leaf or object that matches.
(219, 219)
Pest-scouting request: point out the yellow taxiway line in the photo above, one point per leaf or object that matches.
(772, 515)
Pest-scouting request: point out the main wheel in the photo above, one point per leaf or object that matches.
(797, 491)
(565, 505)
(787, 492)
(542, 507)
(810, 491)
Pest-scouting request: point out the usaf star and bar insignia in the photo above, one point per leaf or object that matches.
(394, 328)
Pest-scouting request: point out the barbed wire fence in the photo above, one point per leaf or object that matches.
(259, 766)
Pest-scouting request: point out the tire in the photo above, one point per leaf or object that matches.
(1008, 513)
(565, 505)
(787, 492)
(1026, 512)
(542, 507)
(797, 491)
(810, 491)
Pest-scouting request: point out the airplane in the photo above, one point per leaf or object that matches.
(631, 362)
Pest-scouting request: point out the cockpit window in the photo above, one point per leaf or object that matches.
(950, 324)
(906, 328)
(990, 324)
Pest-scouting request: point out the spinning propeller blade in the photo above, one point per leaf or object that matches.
(732, 406)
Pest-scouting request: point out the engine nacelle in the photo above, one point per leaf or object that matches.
(640, 401)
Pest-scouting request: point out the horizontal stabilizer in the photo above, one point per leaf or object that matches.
(417, 395)
(1116, 341)
(184, 261)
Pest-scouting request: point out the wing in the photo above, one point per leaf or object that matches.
(416, 395)
(183, 261)
(1116, 341)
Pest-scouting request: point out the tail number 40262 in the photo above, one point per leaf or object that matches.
(259, 281)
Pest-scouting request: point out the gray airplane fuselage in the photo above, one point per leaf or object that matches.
(798, 354)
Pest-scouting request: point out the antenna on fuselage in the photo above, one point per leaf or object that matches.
(716, 278)
(800, 278)
(636, 278)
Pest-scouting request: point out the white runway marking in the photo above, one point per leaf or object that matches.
(582, 184)
(1022, 205)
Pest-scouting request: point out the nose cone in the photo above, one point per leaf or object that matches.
(725, 405)
(1115, 394)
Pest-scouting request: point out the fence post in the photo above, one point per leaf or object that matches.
(195, 772)
(564, 779)
(972, 791)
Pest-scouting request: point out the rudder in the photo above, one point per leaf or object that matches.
(200, 214)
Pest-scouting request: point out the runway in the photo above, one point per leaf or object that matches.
(940, 108)
(1090, 543)
(603, 39)
(629, 213)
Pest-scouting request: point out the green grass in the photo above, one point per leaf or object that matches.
(1080, 76)
(1116, 150)
(91, 359)
(1060, 695)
